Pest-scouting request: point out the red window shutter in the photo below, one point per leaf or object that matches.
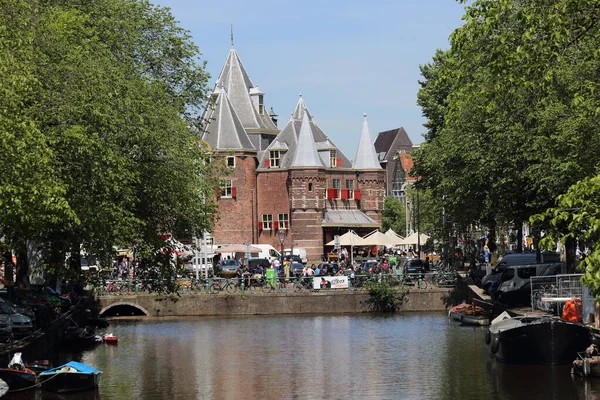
(338, 162)
(233, 192)
(345, 194)
(267, 163)
(357, 195)
(260, 227)
(331, 193)
(218, 192)
(275, 224)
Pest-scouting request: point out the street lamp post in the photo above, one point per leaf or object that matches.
(281, 241)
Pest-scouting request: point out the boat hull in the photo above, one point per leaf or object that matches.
(539, 340)
(70, 382)
(18, 379)
(478, 320)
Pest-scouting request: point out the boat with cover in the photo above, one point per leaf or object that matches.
(470, 314)
(70, 377)
(537, 340)
(110, 338)
(17, 376)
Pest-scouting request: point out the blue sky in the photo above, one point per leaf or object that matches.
(346, 57)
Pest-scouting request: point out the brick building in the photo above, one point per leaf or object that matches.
(295, 180)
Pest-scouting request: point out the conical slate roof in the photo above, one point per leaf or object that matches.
(366, 158)
(291, 132)
(236, 82)
(225, 130)
(306, 154)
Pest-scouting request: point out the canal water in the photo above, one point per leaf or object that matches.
(404, 356)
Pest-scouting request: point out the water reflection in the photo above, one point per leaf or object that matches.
(410, 356)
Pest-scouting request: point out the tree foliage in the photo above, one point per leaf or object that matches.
(100, 102)
(512, 109)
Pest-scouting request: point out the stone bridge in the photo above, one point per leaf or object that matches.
(321, 302)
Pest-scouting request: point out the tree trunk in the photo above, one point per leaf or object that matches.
(22, 266)
(571, 255)
(520, 238)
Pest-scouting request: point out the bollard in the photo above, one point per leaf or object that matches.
(242, 285)
(420, 280)
(137, 287)
(207, 285)
(101, 288)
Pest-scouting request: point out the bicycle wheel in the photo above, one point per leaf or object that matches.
(298, 286)
(214, 288)
(231, 288)
(268, 287)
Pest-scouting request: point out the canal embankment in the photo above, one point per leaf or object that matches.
(323, 302)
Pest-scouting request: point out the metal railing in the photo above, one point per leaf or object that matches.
(546, 291)
(260, 285)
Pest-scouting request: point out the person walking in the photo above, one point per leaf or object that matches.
(287, 265)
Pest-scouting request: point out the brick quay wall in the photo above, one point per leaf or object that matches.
(323, 302)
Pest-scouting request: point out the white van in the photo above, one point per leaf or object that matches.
(267, 251)
(297, 251)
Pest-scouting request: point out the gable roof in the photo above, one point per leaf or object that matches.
(366, 158)
(388, 142)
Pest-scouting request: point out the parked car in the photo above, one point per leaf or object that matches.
(6, 333)
(332, 268)
(297, 268)
(227, 268)
(514, 287)
(414, 266)
(515, 259)
(368, 266)
(254, 263)
(21, 325)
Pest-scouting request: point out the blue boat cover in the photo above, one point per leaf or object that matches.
(84, 368)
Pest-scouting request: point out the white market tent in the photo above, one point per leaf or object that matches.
(393, 235)
(347, 239)
(377, 238)
(414, 239)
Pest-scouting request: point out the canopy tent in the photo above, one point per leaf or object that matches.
(377, 238)
(237, 248)
(347, 239)
(394, 235)
(414, 239)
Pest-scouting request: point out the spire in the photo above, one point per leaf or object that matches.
(300, 110)
(306, 150)
(366, 157)
(231, 29)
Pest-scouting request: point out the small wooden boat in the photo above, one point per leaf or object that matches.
(110, 338)
(38, 366)
(71, 377)
(587, 363)
(17, 376)
(469, 314)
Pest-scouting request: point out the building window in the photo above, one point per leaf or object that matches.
(283, 221)
(337, 185)
(231, 162)
(226, 188)
(274, 158)
(332, 158)
(310, 186)
(267, 221)
(350, 187)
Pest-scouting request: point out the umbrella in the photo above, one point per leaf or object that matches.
(394, 235)
(414, 239)
(378, 239)
(347, 239)
(237, 248)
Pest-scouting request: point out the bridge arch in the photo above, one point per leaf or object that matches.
(124, 305)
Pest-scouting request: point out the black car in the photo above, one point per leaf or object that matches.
(297, 268)
(254, 263)
(332, 268)
(414, 266)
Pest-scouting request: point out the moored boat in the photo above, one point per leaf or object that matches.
(110, 338)
(537, 340)
(469, 314)
(17, 376)
(70, 377)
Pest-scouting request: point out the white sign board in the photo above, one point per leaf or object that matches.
(330, 282)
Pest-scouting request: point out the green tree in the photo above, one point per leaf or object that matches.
(113, 125)
(394, 215)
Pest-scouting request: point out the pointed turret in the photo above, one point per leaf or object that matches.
(366, 157)
(240, 89)
(306, 154)
(225, 130)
